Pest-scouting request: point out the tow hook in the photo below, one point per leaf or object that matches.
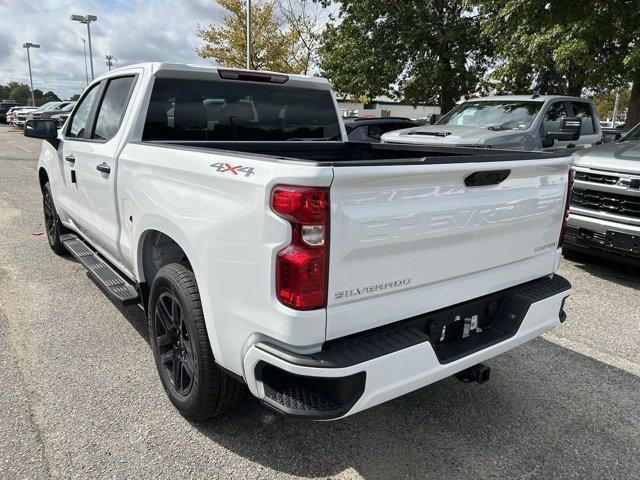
(478, 373)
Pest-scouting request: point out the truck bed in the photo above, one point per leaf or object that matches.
(355, 153)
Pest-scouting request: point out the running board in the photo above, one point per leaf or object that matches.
(100, 271)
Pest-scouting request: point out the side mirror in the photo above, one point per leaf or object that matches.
(431, 119)
(44, 129)
(569, 130)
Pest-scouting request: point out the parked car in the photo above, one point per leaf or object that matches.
(327, 276)
(21, 116)
(610, 125)
(11, 112)
(604, 219)
(5, 106)
(63, 114)
(371, 129)
(51, 109)
(513, 122)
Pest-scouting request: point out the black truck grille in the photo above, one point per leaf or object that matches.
(606, 202)
(597, 178)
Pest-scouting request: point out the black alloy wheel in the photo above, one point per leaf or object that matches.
(175, 345)
(52, 223)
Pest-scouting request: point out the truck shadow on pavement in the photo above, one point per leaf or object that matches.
(613, 271)
(547, 412)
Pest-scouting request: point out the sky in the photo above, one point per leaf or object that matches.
(132, 31)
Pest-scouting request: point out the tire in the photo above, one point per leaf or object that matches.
(53, 226)
(196, 386)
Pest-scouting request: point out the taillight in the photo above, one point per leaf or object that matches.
(302, 266)
(567, 204)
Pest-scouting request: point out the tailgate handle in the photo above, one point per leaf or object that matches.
(491, 177)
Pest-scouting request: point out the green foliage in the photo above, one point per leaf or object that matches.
(19, 92)
(272, 46)
(575, 44)
(605, 102)
(415, 50)
(75, 97)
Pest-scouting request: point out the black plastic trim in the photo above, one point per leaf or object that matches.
(314, 398)
(573, 242)
(354, 154)
(107, 277)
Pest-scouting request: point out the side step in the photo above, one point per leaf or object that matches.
(110, 280)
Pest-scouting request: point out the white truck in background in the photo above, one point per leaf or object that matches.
(269, 252)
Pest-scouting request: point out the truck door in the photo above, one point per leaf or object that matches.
(63, 176)
(96, 167)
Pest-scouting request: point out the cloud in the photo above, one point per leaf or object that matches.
(131, 31)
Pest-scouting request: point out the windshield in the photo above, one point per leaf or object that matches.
(238, 110)
(48, 106)
(499, 115)
(633, 135)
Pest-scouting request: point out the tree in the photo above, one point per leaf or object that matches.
(605, 103)
(20, 92)
(575, 44)
(416, 50)
(271, 44)
(303, 18)
(49, 96)
(75, 97)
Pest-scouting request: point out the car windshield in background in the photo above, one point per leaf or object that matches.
(228, 111)
(498, 115)
(633, 135)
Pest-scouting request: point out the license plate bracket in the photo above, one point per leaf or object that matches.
(623, 241)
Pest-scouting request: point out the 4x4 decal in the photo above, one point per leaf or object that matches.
(225, 167)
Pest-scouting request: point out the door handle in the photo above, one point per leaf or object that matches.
(70, 158)
(493, 177)
(103, 167)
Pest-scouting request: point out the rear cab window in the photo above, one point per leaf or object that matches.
(228, 110)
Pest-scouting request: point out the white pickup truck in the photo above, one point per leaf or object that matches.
(268, 251)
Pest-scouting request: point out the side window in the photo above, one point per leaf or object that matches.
(358, 133)
(112, 108)
(78, 123)
(375, 131)
(555, 113)
(583, 111)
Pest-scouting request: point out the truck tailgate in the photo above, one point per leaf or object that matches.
(410, 239)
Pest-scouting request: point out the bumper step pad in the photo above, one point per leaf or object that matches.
(100, 271)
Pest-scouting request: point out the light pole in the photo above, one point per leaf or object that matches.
(87, 19)
(84, 48)
(614, 118)
(29, 45)
(248, 34)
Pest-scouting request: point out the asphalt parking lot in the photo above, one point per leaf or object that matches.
(81, 398)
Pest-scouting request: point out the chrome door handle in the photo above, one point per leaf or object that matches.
(103, 167)
(70, 159)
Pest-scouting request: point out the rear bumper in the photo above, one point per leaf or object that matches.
(359, 372)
